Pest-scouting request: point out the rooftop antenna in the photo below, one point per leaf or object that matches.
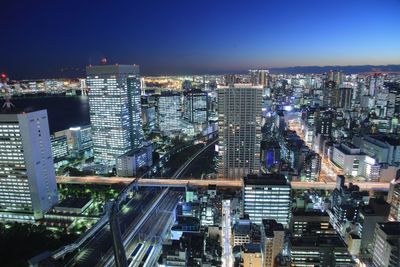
(7, 95)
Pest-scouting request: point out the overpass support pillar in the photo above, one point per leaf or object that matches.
(118, 246)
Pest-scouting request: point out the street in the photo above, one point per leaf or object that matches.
(227, 256)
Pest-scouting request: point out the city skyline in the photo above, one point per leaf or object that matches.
(174, 38)
(200, 133)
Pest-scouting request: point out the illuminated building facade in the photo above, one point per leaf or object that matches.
(272, 240)
(394, 201)
(169, 113)
(267, 197)
(81, 138)
(239, 121)
(115, 112)
(28, 186)
(386, 244)
(59, 149)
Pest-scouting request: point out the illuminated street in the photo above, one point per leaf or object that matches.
(200, 134)
(226, 234)
(327, 173)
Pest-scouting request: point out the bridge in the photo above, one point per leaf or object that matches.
(368, 186)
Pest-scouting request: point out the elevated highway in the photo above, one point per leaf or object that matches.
(374, 186)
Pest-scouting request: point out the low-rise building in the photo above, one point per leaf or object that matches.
(245, 232)
(251, 256)
(129, 163)
(352, 161)
(59, 149)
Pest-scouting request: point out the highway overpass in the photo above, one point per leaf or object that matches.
(374, 186)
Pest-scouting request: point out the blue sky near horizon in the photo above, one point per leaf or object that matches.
(41, 37)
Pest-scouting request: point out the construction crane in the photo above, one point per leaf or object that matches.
(5, 89)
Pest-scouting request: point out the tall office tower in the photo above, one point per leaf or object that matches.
(136, 111)
(195, 107)
(267, 197)
(342, 98)
(328, 93)
(375, 83)
(114, 100)
(394, 201)
(272, 240)
(386, 245)
(28, 186)
(231, 79)
(259, 77)
(239, 121)
(335, 76)
(394, 96)
(309, 117)
(169, 113)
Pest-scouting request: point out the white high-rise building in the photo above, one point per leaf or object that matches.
(28, 186)
(115, 113)
(267, 197)
(169, 113)
(239, 121)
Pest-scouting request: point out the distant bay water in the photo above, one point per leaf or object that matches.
(63, 111)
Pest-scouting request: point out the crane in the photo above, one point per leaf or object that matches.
(7, 94)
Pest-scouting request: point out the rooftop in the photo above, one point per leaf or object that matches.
(4, 113)
(310, 213)
(251, 248)
(270, 226)
(390, 228)
(318, 241)
(376, 207)
(390, 139)
(112, 69)
(267, 179)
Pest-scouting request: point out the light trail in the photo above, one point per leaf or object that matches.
(226, 234)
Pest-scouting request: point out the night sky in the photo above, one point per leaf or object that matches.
(41, 38)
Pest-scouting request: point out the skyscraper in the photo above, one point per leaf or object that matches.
(328, 93)
(114, 100)
(27, 178)
(135, 110)
(259, 77)
(169, 113)
(195, 107)
(239, 121)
